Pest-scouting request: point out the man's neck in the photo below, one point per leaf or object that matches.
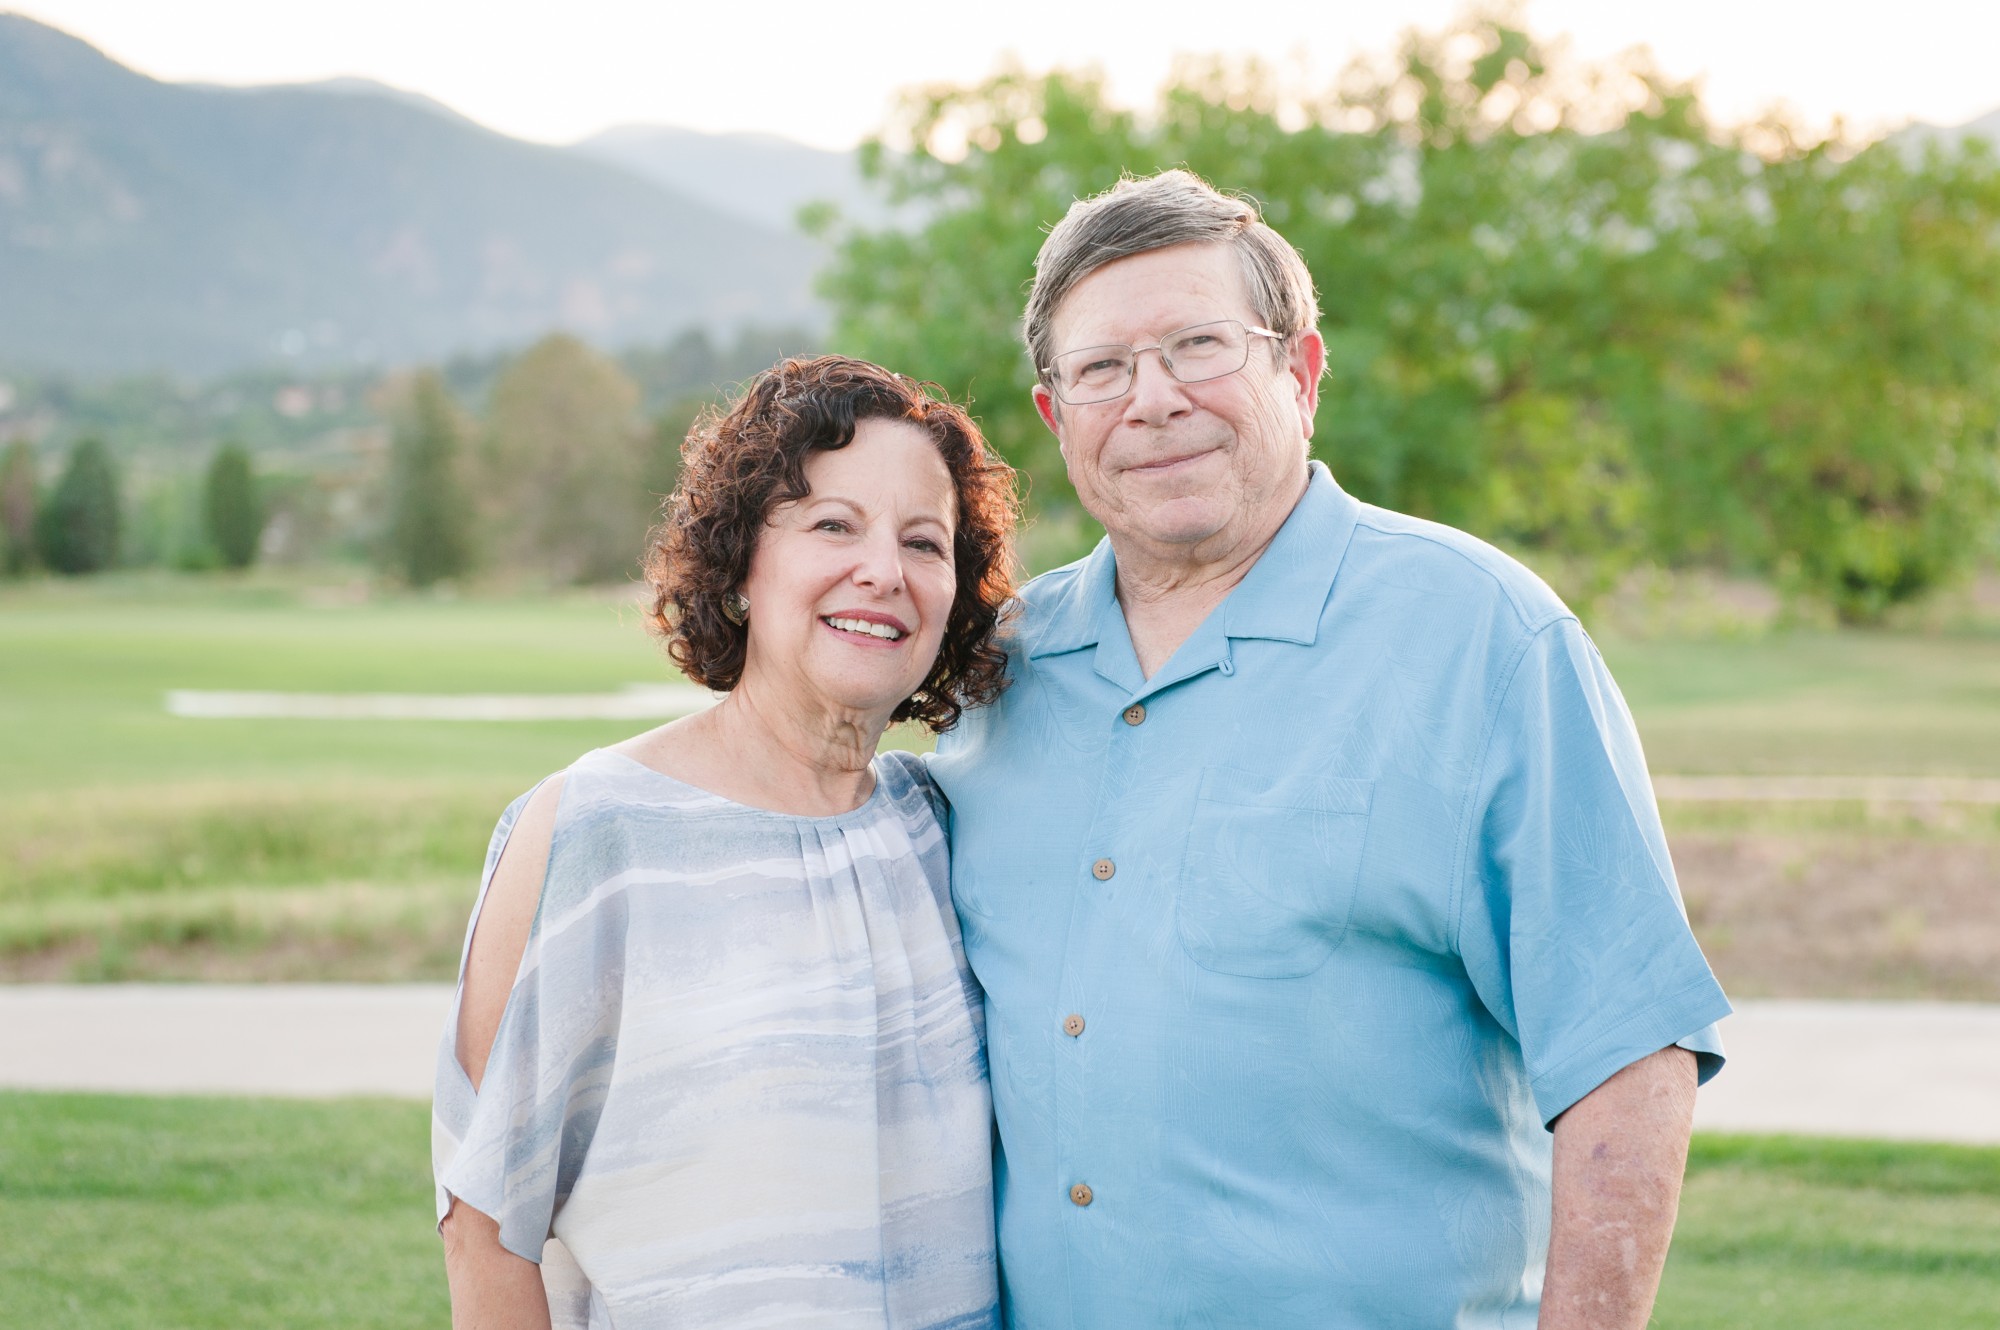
(1166, 592)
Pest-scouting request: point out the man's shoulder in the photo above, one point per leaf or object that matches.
(1418, 555)
(1045, 589)
(1042, 598)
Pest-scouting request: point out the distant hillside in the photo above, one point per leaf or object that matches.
(146, 225)
(759, 176)
(1984, 127)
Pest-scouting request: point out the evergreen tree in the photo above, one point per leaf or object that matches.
(78, 528)
(429, 537)
(231, 512)
(17, 509)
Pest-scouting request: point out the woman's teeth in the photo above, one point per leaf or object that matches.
(881, 630)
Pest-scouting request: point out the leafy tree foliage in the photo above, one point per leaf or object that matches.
(77, 529)
(1562, 309)
(430, 514)
(562, 464)
(232, 512)
(17, 508)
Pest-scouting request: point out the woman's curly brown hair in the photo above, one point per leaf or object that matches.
(737, 465)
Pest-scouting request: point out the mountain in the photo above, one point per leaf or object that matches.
(1918, 134)
(1985, 127)
(187, 228)
(759, 176)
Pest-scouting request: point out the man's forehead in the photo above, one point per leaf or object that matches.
(1153, 292)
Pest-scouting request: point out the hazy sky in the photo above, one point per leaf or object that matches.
(826, 73)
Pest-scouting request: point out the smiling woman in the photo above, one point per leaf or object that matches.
(661, 921)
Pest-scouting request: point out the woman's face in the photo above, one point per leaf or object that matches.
(850, 587)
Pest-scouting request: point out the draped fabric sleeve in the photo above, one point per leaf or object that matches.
(513, 1148)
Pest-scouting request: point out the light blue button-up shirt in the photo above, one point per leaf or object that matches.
(1371, 890)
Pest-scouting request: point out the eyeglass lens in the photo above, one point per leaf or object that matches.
(1192, 355)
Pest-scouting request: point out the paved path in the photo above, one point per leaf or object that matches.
(1911, 1070)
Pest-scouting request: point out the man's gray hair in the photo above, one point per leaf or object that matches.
(1172, 208)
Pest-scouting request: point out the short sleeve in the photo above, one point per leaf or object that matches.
(1570, 922)
(513, 1148)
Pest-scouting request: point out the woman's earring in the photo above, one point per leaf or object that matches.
(735, 608)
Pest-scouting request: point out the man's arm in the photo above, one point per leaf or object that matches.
(1619, 1155)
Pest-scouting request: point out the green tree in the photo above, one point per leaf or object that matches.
(670, 431)
(232, 511)
(430, 514)
(17, 508)
(1562, 309)
(1856, 387)
(562, 464)
(78, 526)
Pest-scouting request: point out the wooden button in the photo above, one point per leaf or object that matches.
(1135, 714)
(1080, 1194)
(1072, 1025)
(1103, 869)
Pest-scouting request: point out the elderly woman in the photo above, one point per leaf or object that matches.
(716, 1059)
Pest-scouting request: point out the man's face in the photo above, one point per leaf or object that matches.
(1185, 471)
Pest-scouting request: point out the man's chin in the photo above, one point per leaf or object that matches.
(1185, 519)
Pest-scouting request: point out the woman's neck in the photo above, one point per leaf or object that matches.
(752, 749)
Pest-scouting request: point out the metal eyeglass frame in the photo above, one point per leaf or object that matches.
(1132, 368)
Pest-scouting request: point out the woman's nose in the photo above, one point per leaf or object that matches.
(881, 564)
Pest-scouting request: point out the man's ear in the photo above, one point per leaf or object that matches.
(1049, 410)
(1305, 362)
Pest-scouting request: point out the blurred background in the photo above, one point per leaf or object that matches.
(345, 356)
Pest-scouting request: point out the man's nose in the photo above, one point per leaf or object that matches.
(1156, 394)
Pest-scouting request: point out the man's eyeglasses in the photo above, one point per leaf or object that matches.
(1192, 355)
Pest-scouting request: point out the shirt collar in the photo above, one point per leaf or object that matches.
(1284, 594)
(1281, 597)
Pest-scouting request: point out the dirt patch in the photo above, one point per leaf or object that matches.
(1845, 916)
(1793, 912)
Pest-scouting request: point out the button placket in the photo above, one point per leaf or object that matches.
(1095, 916)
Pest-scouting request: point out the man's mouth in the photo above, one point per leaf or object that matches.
(1168, 463)
(888, 632)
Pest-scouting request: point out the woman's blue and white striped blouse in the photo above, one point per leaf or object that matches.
(740, 1080)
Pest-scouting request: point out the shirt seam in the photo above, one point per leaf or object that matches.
(1529, 622)
(1462, 842)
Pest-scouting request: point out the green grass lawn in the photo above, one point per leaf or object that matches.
(135, 844)
(84, 669)
(151, 1214)
(162, 1213)
(1840, 703)
(1782, 1232)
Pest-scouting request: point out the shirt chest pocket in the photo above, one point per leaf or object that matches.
(1270, 872)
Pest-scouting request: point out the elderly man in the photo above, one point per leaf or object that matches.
(1336, 973)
